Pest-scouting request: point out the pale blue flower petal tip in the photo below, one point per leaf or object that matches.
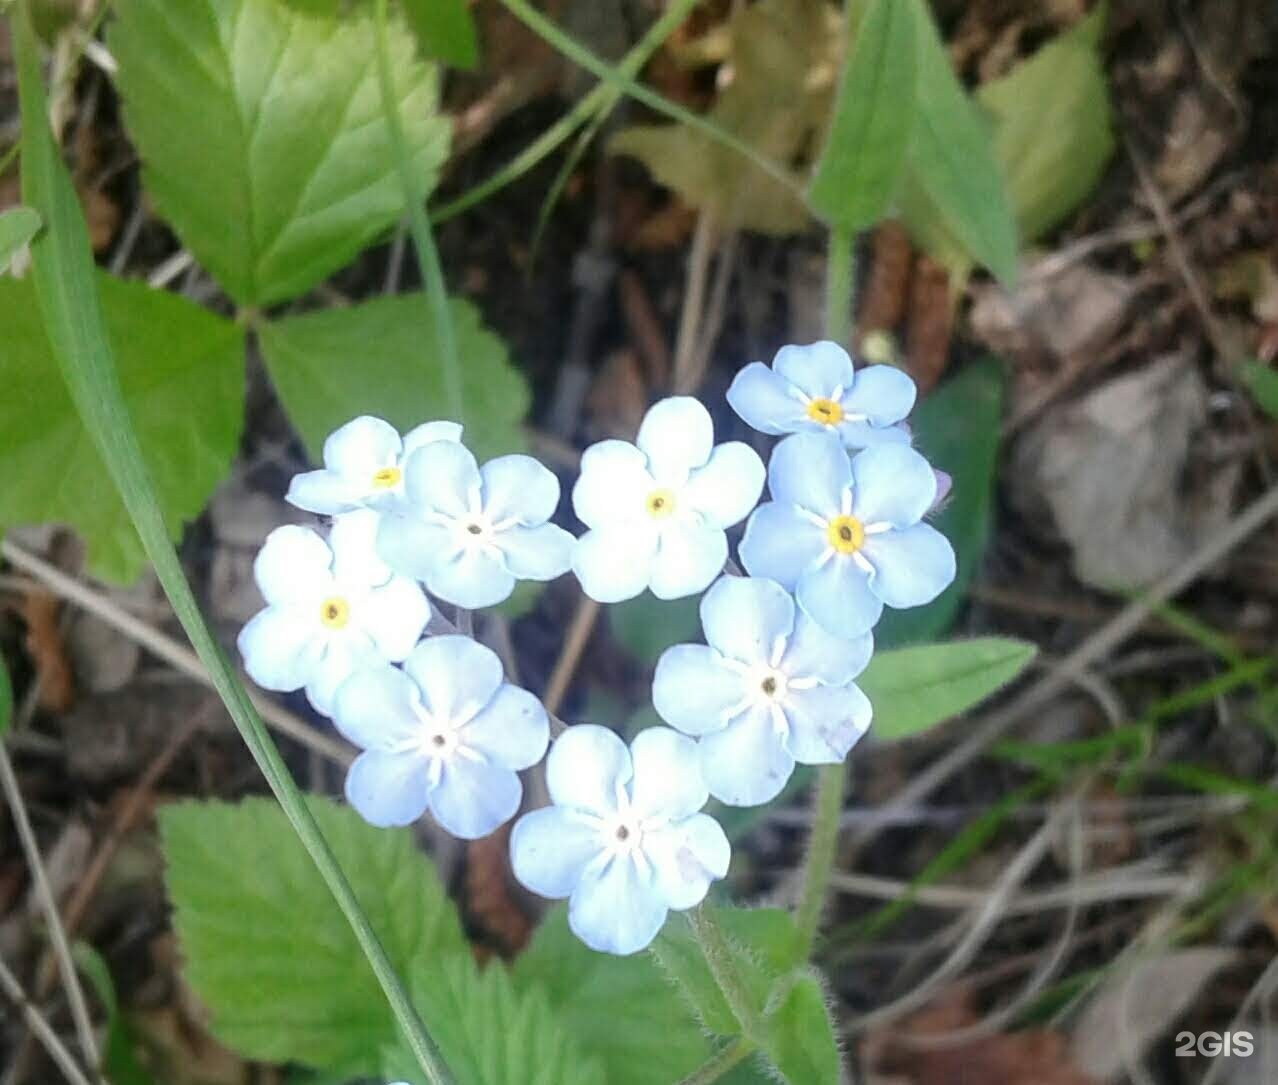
(845, 534)
(816, 389)
(770, 690)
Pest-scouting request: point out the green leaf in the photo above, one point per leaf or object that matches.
(1262, 383)
(6, 701)
(646, 626)
(262, 135)
(172, 356)
(444, 29)
(494, 1031)
(957, 428)
(378, 358)
(859, 172)
(957, 188)
(801, 1037)
(1054, 126)
(913, 689)
(270, 953)
(18, 226)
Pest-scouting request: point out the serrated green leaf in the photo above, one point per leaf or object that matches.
(445, 30)
(957, 184)
(801, 1037)
(646, 626)
(262, 134)
(957, 428)
(860, 170)
(378, 358)
(268, 950)
(1262, 383)
(913, 689)
(493, 1031)
(18, 226)
(1054, 127)
(182, 372)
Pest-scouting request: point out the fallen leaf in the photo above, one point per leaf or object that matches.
(48, 651)
(490, 897)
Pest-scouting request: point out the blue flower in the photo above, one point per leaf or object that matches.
(444, 734)
(332, 607)
(470, 533)
(624, 840)
(845, 535)
(363, 465)
(816, 389)
(770, 689)
(657, 509)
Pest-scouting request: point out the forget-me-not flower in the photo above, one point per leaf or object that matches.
(332, 607)
(624, 840)
(446, 733)
(771, 688)
(815, 388)
(844, 534)
(657, 509)
(363, 465)
(469, 532)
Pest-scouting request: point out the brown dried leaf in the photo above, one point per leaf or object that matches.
(930, 326)
(49, 651)
(887, 290)
(489, 892)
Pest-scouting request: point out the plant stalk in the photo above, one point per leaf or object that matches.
(840, 274)
(723, 967)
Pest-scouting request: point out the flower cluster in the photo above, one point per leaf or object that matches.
(625, 838)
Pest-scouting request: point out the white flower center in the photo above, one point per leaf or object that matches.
(335, 612)
(769, 684)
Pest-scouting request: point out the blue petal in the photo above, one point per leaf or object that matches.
(891, 484)
(911, 567)
(746, 764)
(837, 596)
(615, 563)
(443, 477)
(687, 857)
(728, 486)
(855, 435)
(615, 908)
(343, 656)
(766, 401)
(586, 766)
(676, 435)
(325, 492)
(471, 579)
(819, 369)
(536, 553)
(693, 690)
(813, 653)
(666, 781)
(412, 546)
(456, 675)
(473, 798)
(519, 488)
(689, 557)
(550, 848)
(280, 648)
(388, 788)
(779, 543)
(745, 617)
(361, 447)
(511, 730)
(881, 394)
(613, 483)
(376, 708)
(810, 470)
(826, 722)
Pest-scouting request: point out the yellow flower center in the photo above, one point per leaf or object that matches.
(846, 534)
(825, 411)
(386, 478)
(660, 504)
(335, 612)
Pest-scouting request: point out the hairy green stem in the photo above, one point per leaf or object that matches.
(418, 223)
(722, 1062)
(597, 104)
(821, 855)
(624, 82)
(723, 967)
(839, 280)
(64, 278)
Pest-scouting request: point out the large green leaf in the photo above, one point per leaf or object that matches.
(1262, 382)
(956, 188)
(262, 134)
(268, 950)
(378, 358)
(182, 372)
(860, 170)
(801, 1038)
(493, 1031)
(913, 689)
(957, 428)
(1054, 127)
(646, 626)
(444, 29)
(18, 226)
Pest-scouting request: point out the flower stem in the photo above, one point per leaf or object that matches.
(721, 1062)
(418, 224)
(821, 855)
(840, 272)
(723, 967)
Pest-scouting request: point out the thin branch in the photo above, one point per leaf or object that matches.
(40, 1028)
